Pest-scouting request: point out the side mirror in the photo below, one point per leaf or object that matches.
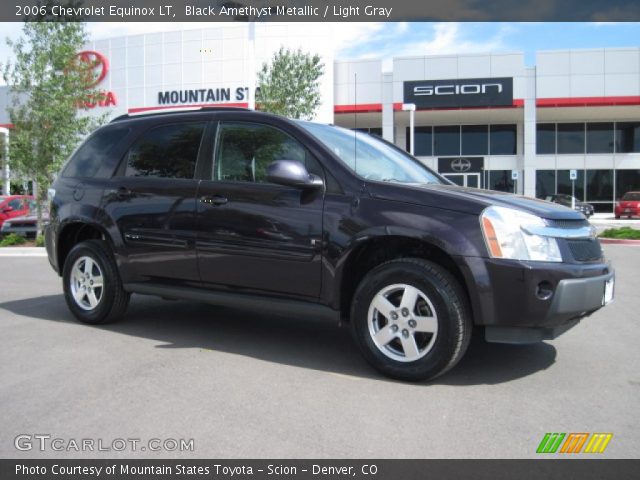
(7, 209)
(292, 174)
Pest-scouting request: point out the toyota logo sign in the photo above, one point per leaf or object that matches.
(94, 68)
(94, 64)
(461, 165)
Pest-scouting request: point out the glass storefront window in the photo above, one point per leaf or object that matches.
(500, 180)
(599, 185)
(627, 181)
(446, 140)
(545, 183)
(502, 139)
(600, 138)
(545, 138)
(475, 140)
(564, 184)
(570, 138)
(423, 145)
(628, 137)
(371, 131)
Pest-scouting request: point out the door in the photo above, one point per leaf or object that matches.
(152, 201)
(471, 180)
(254, 235)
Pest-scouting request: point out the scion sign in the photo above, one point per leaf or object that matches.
(465, 92)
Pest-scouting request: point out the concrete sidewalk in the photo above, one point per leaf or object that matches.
(603, 221)
(23, 252)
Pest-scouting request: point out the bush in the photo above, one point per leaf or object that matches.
(12, 239)
(626, 233)
(40, 241)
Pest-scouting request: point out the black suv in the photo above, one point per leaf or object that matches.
(236, 207)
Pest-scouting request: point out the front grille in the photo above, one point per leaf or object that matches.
(585, 250)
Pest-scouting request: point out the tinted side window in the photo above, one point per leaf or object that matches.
(244, 151)
(86, 161)
(169, 151)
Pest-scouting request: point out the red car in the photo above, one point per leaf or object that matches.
(629, 205)
(13, 206)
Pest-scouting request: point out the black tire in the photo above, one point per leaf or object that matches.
(113, 299)
(454, 324)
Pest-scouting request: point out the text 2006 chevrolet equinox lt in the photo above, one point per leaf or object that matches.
(237, 207)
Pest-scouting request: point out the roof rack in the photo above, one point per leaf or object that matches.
(173, 110)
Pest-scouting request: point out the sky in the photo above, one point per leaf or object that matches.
(385, 40)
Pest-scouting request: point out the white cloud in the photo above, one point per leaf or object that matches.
(346, 35)
(450, 38)
(102, 30)
(446, 38)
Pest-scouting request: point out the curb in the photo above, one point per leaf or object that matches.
(620, 241)
(23, 252)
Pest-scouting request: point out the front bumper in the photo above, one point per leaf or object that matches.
(579, 296)
(524, 302)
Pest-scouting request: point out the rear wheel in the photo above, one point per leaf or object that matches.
(410, 319)
(92, 287)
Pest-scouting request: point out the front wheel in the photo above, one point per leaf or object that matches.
(92, 287)
(410, 319)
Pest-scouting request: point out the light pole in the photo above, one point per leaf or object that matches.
(411, 108)
(6, 183)
(252, 65)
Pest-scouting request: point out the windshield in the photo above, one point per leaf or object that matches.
(631, 196)
(371, 158)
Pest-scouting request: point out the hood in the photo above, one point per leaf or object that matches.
(468, 200)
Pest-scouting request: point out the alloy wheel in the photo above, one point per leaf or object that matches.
(403, 323)
(87, 283)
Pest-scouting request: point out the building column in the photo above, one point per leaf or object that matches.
(529, 157)
(387, 108)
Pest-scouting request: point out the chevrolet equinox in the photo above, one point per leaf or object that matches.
(236, 207)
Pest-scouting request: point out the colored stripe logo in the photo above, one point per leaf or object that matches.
(574, 442)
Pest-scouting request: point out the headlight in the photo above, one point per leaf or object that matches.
(507, 233)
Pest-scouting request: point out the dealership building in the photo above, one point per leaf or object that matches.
(571, 122)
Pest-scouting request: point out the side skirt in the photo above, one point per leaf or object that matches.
(237, 300)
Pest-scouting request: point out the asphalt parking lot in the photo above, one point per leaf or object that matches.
(251, 385)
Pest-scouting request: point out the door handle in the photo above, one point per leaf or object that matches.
(214, 200)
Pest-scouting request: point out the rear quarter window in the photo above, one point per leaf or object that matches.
(167, 151)
(91, 154)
